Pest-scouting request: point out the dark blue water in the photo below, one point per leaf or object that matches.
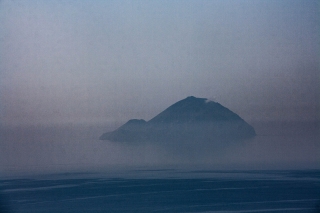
(165, 191)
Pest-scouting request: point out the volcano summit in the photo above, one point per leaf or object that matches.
(191, 119)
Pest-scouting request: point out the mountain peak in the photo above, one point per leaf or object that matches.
(195, 109)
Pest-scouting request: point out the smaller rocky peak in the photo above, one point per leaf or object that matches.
(136, 121)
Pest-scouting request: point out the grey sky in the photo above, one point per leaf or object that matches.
(109, 61)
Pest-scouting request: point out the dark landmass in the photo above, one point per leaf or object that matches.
(191, 119)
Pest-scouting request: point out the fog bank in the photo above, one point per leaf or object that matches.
(77, 148)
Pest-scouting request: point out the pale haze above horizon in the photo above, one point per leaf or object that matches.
(110, 61)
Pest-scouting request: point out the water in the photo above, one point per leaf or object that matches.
(65, 168)
(165, 191)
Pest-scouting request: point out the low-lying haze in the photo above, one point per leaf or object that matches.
(66, 148)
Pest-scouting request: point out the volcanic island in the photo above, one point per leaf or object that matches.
(189, 120)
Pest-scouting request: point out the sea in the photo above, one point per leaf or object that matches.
(164, 190)
(65, 168)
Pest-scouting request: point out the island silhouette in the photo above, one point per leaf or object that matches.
(189, 120)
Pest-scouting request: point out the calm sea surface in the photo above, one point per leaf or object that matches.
(164, 191)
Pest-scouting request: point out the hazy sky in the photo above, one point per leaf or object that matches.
(109, 61)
